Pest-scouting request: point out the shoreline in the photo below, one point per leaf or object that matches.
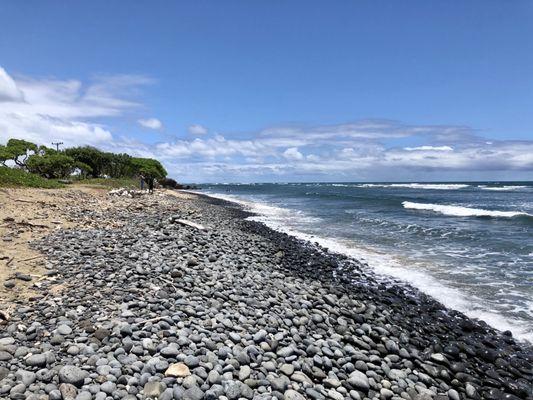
(243, 311)
(387, 273)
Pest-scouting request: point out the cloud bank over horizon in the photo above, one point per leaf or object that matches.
(90, 113)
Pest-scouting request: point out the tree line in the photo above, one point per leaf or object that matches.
(86, 161)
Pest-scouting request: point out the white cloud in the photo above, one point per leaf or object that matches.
(429, 148)
(151, 123)
(46, 110)
(197, 129)
(293, 154)
(8, 88)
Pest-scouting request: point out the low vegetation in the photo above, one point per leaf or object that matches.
(26, 164)
(14, 177)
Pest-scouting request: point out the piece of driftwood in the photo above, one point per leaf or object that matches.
(191, 224)
(31, 224)
(32, 258)
(151, 320)
(30, 201)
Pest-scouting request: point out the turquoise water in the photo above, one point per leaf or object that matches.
(470, 245)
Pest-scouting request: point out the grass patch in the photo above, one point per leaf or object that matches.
(13, 177)
(111, 183)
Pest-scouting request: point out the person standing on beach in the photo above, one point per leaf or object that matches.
(150, 184)
(142, 182)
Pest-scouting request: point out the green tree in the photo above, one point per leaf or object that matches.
(19, 148)
(117, 165)
(90, 156)
(84, 169)
(5, 155)
(51, 165)
(148, 167)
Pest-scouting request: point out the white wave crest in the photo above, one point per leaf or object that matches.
(501, 188)
(429, 186)
(458, 211)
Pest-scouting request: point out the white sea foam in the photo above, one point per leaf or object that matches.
(459, 211)
(385, 264)
(502, 188)
(429, 186)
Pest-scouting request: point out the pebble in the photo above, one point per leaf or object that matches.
(36, 360)
(64, 330)
(293, 395)
(68, 391)
(72, 375)
(179, 370)
(358, 380)
(153, 389)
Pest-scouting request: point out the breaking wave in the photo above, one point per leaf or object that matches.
(429, 186)
(458, 211)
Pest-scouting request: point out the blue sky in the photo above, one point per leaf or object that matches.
(278, 90)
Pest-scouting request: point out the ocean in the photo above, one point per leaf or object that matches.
(467, 244)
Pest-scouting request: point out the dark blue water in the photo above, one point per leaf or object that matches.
(470, 245)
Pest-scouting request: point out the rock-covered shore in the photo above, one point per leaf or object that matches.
(141, 305)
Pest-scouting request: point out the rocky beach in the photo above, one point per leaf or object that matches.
(178, 296)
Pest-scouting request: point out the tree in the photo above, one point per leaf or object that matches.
(148, 167)
(83, 168)
(51, 165)
(5, 155)
(90, 156)
(118, 165)
(20, 148)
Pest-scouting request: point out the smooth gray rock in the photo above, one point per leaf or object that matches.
(193, 393)
(73, 375)
(293, 395)
(153, 389)
(36, 360)
(26, 377)
(358, 380)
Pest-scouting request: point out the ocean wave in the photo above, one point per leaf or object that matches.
(502, 188)
(428, 186)
(459, 211)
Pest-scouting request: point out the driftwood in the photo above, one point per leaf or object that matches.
(191, 224)
(11, 221)
(152, 320)
(32, 258)
(31, 224)
(30, 201)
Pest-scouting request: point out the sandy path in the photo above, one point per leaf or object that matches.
(29, 214)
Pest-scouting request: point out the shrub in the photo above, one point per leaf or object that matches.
(13, 177)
